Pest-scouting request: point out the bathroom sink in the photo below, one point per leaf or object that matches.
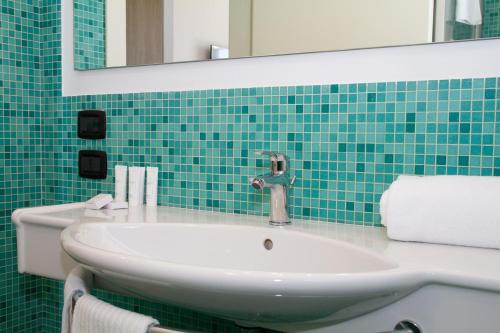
(252, 274)
(306, 277)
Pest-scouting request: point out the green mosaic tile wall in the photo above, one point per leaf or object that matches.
(50, 55)
(90, 34)
(491, 24)
(346, 143)
(462, 31)
(21, 301)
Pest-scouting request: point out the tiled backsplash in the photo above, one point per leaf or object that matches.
(346, 143)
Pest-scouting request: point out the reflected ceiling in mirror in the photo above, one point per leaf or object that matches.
(115, 33)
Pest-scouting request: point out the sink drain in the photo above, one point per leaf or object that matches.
(407, 326)
(268, 244)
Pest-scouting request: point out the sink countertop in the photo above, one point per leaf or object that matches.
(456, 265)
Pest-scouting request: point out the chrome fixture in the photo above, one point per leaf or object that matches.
(406, 326)
(278, 181)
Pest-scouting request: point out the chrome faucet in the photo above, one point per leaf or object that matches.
(278, 181)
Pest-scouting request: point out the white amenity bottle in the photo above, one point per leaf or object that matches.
(120, 183)
(136, 186)
(151, 186)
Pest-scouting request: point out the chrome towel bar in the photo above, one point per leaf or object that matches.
(154, 329)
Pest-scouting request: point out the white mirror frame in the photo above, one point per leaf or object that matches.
(476, 59)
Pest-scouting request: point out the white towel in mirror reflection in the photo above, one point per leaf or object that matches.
(469, 12)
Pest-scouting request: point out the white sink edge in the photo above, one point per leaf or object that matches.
(390, 279)
(107, 260)
(447, 264)
(249, 291)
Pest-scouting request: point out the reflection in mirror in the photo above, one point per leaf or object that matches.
(111, 33)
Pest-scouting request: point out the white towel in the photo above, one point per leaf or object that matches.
(469, 12)
(459, 210)
(79, 281)
(94, 316)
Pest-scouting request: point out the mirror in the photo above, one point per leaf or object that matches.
(115, 33)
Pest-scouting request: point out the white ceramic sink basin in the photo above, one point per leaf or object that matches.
(316, 278)
(231, 270)
(231, 248)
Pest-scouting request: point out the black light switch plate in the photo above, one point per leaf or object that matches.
(92, 124)
(92, 164)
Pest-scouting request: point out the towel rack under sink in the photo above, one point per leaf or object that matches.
(154, 329)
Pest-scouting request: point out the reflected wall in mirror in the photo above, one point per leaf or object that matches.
(112, 33)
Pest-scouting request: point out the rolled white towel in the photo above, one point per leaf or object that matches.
(95, 316)
(469, 12)
(458, 210)
(78, 282)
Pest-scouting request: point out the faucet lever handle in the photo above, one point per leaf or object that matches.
(266, 153)
(272, 155)
(279, 162)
